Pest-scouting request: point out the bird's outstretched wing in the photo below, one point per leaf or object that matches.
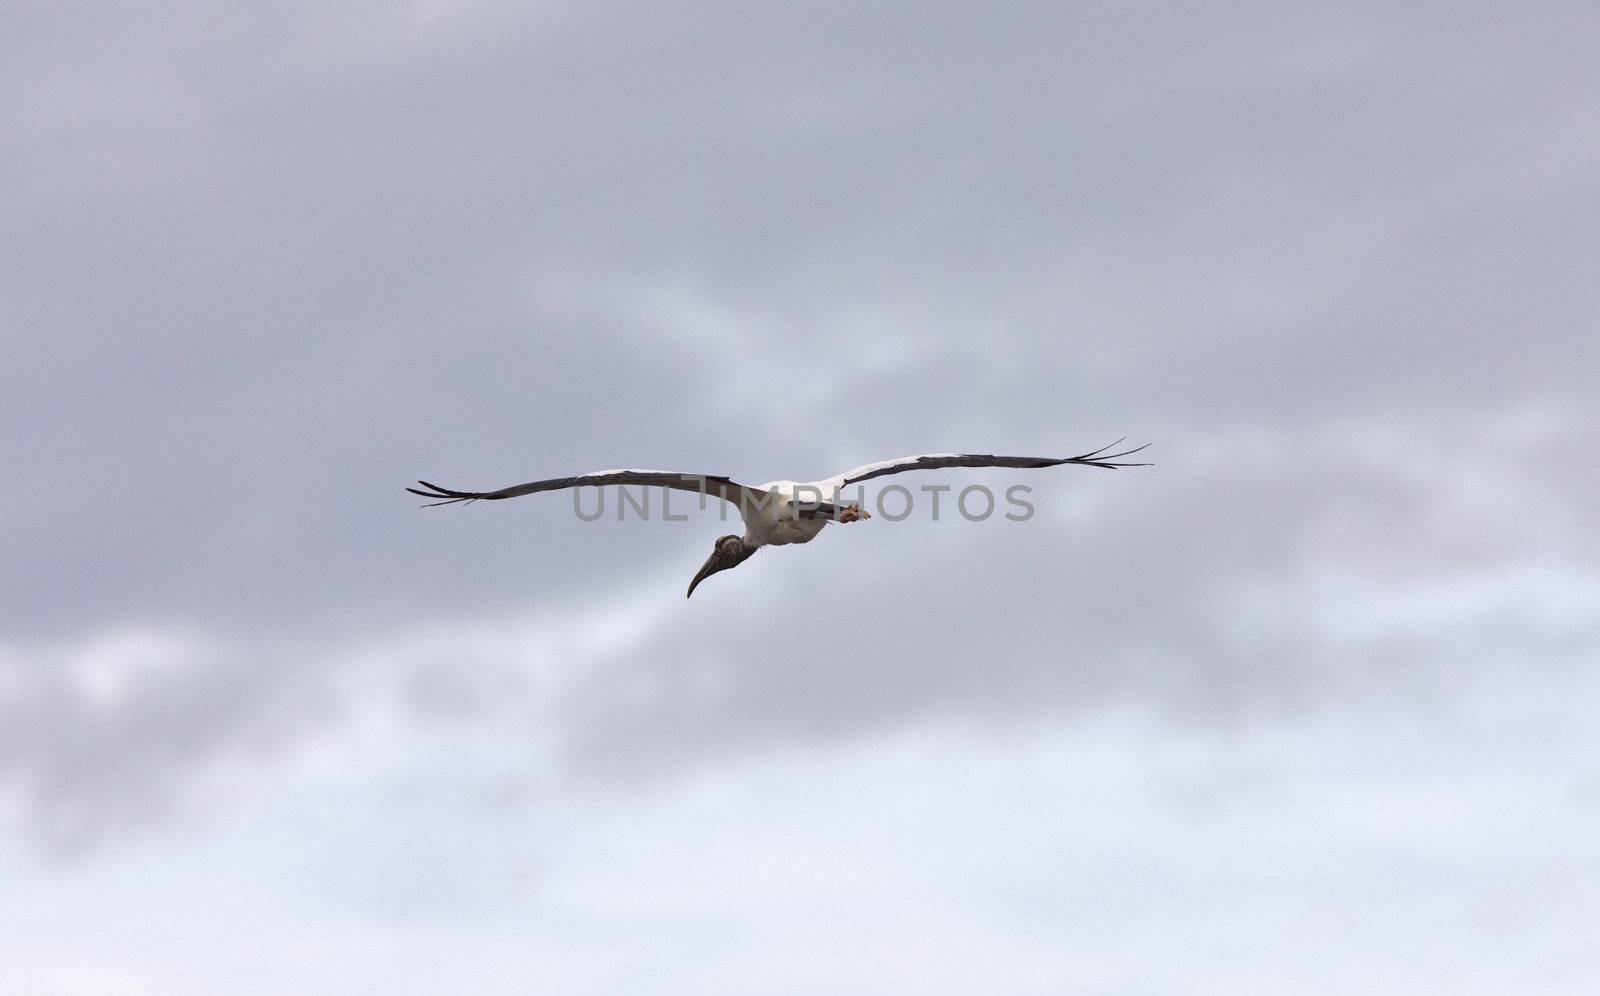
(718, 487)
(936, 461)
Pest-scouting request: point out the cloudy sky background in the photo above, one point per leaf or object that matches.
(1309, 706)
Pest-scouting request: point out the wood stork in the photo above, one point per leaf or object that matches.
(779, 512)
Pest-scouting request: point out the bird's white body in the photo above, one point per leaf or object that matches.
(775, 522)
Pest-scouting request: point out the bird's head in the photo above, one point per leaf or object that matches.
(728, 551)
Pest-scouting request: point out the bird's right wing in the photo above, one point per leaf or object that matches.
(705, 484)
(935, 461)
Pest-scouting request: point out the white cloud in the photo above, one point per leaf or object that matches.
(1360, 845)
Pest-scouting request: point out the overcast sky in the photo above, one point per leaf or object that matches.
(1308, 706)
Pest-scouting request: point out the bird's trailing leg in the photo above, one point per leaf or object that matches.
(834, 513)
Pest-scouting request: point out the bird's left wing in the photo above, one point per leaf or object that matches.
(706, 484)
(936, 461)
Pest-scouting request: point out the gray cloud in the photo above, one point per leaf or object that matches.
(266, 269)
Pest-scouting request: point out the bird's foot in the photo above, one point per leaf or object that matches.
(852, 513)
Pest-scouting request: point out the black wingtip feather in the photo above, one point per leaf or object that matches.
(449, 497)
(1108, 461)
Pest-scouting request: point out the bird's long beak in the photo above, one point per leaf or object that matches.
(714, 563)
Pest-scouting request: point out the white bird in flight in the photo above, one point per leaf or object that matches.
(779, 512)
